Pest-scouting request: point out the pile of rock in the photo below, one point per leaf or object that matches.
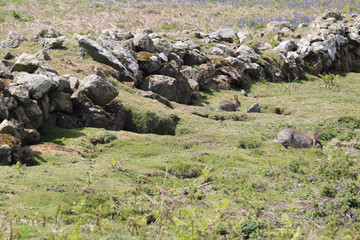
(31, 92)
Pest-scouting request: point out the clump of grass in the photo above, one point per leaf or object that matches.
(329, 82)
(185, 170)
(249, 143)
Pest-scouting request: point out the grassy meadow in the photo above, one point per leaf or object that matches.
(220, 175)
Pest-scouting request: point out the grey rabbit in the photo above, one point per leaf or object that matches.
(228, 105)
(297, 139)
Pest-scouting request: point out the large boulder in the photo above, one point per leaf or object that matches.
(61, 101)
(143, 42)
(35, 115)
(37, 84)
(192, 73)
(9, 127)
(53, 43)
(102, 55)
(225, 34)
(173, 89)
(13, 40)
(20, 92)
(246, 54)
(148, 62)
(286, 46)
(25, 63)
(194, 57)
(163, 45)
(124, 56)
(99, 90)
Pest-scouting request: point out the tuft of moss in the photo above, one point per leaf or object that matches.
(145, 56)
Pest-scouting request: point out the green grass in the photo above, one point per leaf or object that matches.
(187, 172)
(213, 177)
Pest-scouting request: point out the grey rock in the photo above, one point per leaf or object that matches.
(37, 84)
(169, 70)
(278, 26)
(286, 46)
(176, 59)
(194, 57)
(332, 14)
(20, 92)
(143, 42)
(10, 103)
(328, 46)
(52, 43)
(35, 115)
(43, 55)
(98, 89)
(148, 62)
(44, 104)
(31, 136)
(4, 112)
(13, 40)
(228, 51)
(5, 72)
(8, 55)
(194, 85)
(218, 51)
(9, 127)
(67, 121)
(73, 81)
(49, 33)
(64, 85)
(102, 55)
(123, 55)
(173, 89)
(62, 101)
(254, 109)
(163, 45)
(314, 38)
(77, 97)
(20, 115)
(246, 54)
(192, 73)
(186, 44)
(10, 149)
(26, 63)
(91, 115)
(155, 96)
(226, 34)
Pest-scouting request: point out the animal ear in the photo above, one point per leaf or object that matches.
(316, 136)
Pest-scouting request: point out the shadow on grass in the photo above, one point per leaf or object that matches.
(55, 134)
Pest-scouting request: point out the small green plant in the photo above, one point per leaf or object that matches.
(329, 82)
(118, 164)
(252, 44)
(15, 15)
(273, 42)
(252, 228)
